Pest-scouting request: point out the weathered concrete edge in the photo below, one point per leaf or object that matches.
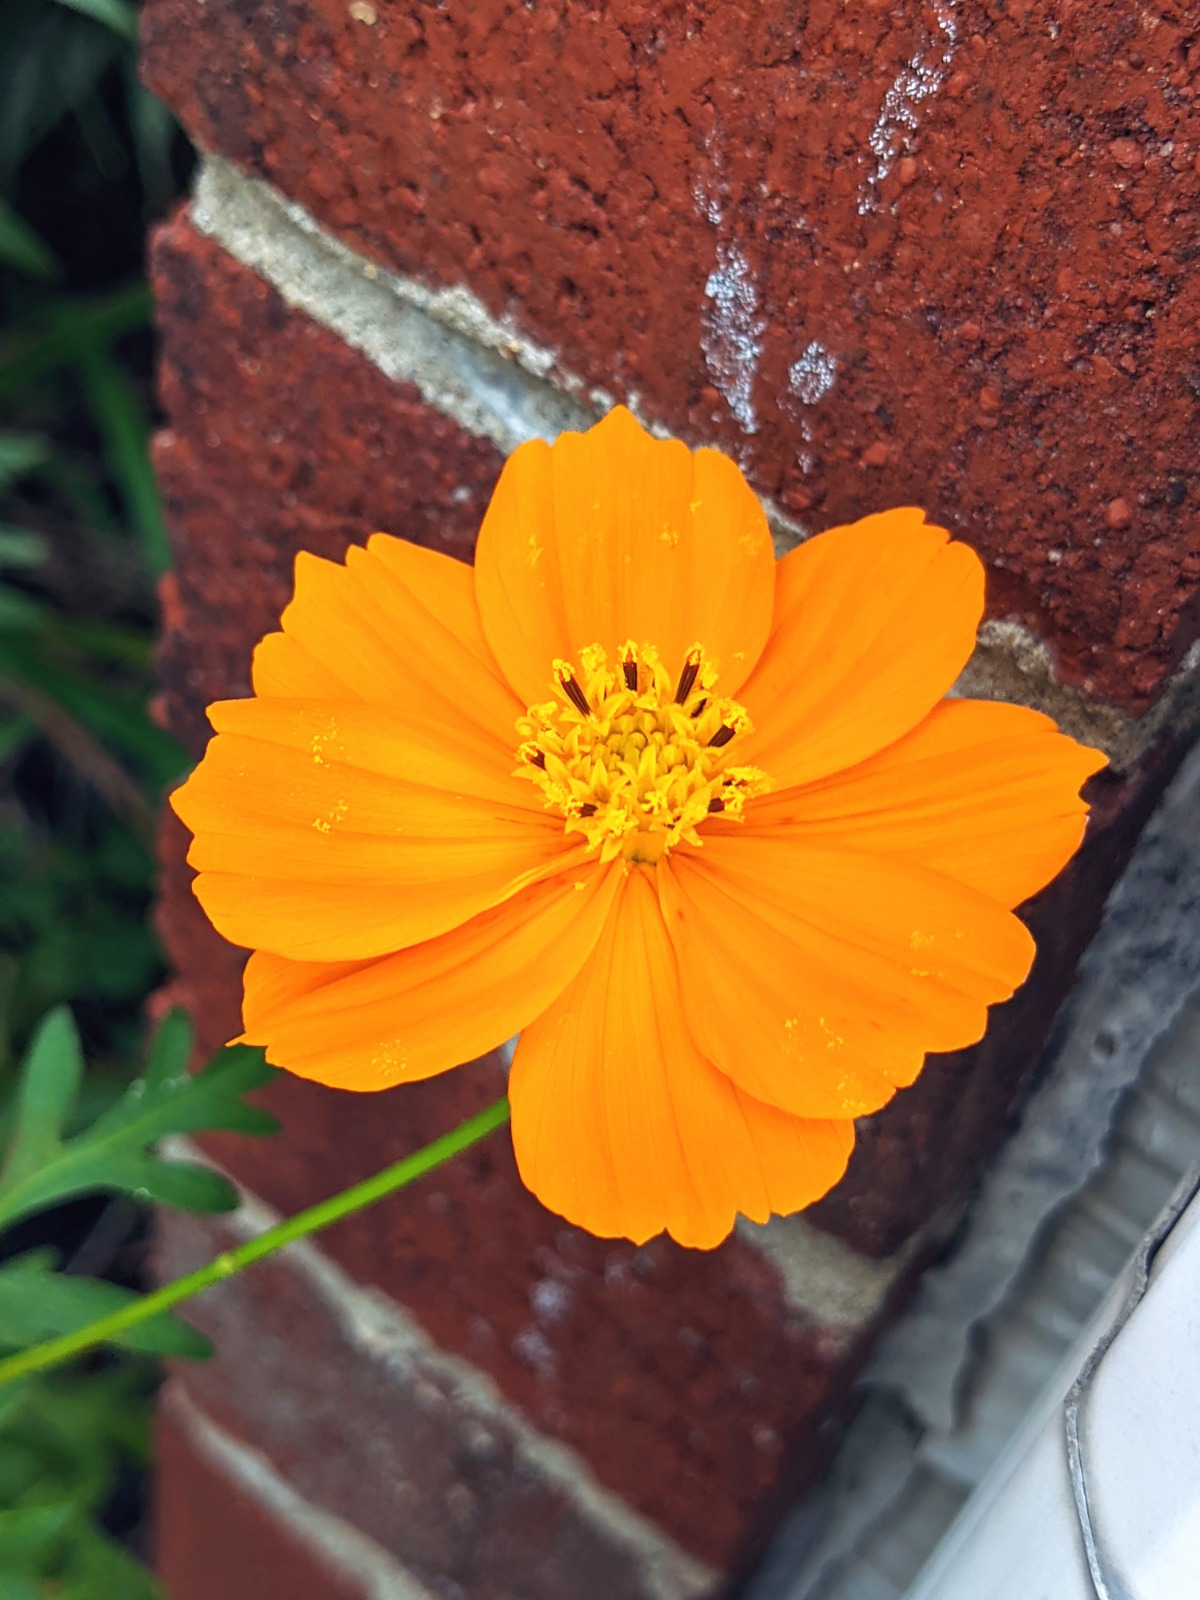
(1134, 980)
(495, 383)
(330, 1539)
(380, 1326)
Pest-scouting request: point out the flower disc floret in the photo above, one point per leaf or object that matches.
(633, 757)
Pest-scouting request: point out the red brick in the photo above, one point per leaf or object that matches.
(281, 438)
(214, 1537)
(920, 1153)
(562, 161)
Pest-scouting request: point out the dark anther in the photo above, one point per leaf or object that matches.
(716, 805)
(722, 736)
(587, 809)
(699, 709)
(687, 678)
(630, 669)
(575, 694)
(538, 759)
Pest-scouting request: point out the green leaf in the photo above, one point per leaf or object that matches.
(114, 1155)
(126, 431)
(116, 719)
(154, 131)
(50, 69)
(37, 1303)
(20, 613)
(15, 734)
(78, 485)
(119, 15)
(26, 1531)
(23, 248)
(64, 1448)
(21, 547)
(75, 324)
(22, 1588)
(49, 1088)
(20, 454)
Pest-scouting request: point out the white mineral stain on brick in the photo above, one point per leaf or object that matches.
(550, 1300)
(733, 330)
(920, 78)
(732, 339)
(708, 201)
(813, 374)
(533, 1348)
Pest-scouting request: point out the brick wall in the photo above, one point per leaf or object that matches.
(879, 254)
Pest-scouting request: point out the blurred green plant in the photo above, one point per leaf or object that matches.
(82, 537)
(87, 157)
(65, 1446)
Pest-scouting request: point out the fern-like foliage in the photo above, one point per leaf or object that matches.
(43, 1168)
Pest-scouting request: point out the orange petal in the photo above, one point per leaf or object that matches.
(425, 1009)
(397, 626)
(622, 1126)
(612, 535)
(818, 979)
(343, 831)
(283, 669)
(983, 792)
(872, 625)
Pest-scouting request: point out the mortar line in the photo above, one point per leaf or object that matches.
(350, 1552)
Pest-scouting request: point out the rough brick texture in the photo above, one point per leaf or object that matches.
(719, 1387)
(284, 439)
(977, 219)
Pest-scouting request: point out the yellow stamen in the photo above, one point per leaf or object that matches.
(633, 756)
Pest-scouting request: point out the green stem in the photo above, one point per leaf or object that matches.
(55, 1351)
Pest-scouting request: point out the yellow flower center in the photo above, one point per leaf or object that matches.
(634, 759)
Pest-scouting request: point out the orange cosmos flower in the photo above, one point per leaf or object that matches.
(698, 825)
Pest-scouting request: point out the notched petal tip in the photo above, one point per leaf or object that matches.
(622, 1126)
(614, 534)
